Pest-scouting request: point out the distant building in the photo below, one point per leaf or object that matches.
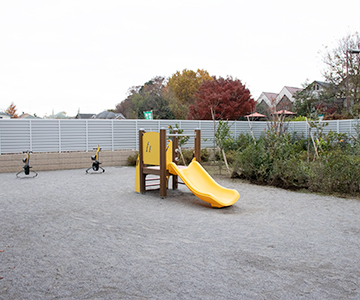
(84, 116)
(28, 116)
(325, 96)
(271, 102)
(59, 115)
(109, 115)
(5, 116)
(265, 101)
(319, 86)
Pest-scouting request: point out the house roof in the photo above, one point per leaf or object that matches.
(109, 115)
(84, 116)
(322, 83)
(267, 97)
(271, 96)
(27, 116)
(292, 90)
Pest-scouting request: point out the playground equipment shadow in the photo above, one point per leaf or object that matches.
(68, 235)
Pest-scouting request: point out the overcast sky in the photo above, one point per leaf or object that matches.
(67, 55)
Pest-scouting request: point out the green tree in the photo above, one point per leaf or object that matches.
(311, 102)
(144, 98)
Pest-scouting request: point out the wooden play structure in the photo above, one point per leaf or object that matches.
(159, 156)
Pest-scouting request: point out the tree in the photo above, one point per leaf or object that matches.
(312, 100)
(182, 87)
(144, 98)
(11, 110)
(338, 61)
(221, 99)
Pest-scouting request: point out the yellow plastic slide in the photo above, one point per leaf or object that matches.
(202, 185)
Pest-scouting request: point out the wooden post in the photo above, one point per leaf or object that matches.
(141, 162)
(198, 145)
(175, 159)
(162, 162)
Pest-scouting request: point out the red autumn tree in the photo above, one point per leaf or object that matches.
(11, 110)
(221, 99)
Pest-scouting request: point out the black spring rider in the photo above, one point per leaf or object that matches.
(27, 167)
(96, 164)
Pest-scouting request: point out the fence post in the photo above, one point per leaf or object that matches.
(30, 129)
(86, 136)
(112, 135)
(162, 162)
(59, 126)
(136, 139)
(337, 126)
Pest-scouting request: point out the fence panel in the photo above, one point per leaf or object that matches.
(73, 135)
(45, 135)
(300, 129)
(17, 136)
(100, 133)
(345, 126)
(207, 134)
(125, 133)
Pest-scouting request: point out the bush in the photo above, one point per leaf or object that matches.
(336, 173)
(241, 142)
(290, 174)
(205, 154)
(131, 160)
(284, 161)
(188, 156)
(253, 163)
(231, 156)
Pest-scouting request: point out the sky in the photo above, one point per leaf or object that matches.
(84, 55)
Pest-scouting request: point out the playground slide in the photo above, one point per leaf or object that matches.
(202, 185)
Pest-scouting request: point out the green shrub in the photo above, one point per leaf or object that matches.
(205, 154)
(336, 173)
(241, 142)
(253, 163)
(292, 173)
(231, 156)
(283, 161)
(131, 160)
(188, 156)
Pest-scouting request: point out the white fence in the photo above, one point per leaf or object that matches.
(17, 136)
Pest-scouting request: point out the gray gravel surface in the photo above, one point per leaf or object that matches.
(67, 235)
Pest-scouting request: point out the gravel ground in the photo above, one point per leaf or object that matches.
(67, 235)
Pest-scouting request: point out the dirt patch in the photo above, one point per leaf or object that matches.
(68, 235)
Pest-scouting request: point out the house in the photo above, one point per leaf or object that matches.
(109, 115)
(28, 116)
(84, 116)
(4, 116)
(323, 96)
(270, 102)
(265, 101)
(319, 86)
(59, 115)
